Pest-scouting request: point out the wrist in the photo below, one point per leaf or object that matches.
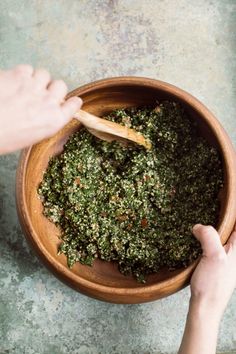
(201, 329)
(201, 309)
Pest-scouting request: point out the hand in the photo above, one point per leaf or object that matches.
(212, 285)
(31, 107)
(214, 279)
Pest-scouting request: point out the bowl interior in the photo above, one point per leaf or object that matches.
(98, 100)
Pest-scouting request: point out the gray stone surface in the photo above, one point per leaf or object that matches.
(188, 43)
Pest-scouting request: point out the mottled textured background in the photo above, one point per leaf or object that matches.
(190, 43)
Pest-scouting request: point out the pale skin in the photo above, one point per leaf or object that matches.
(212, 285)
(32, 108)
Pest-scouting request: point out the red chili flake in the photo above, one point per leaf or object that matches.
(78, 182)
(129, 226)
(146, 177)
(144, 223)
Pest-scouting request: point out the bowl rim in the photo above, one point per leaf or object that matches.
(228, 219)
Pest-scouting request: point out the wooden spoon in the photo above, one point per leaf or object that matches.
(109, 131)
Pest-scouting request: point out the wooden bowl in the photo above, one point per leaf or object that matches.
(103, 281)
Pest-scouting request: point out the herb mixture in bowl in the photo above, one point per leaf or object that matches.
(131, 205)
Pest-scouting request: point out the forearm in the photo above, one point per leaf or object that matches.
(201, 330)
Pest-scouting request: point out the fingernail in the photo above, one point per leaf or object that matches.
(196, 227)
(80, 99)
(77, 100)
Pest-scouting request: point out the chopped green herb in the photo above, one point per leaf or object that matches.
(130, 205)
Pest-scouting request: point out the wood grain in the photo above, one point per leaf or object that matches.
(103, 281)
(110, 131)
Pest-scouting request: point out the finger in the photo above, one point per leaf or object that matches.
(57, 90)
(209, 239)
(24, 70)
(42, 78)
(70, 107)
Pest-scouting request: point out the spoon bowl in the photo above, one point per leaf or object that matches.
(110, 131)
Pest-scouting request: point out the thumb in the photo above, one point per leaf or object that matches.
(209, 239)
(70, 107)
